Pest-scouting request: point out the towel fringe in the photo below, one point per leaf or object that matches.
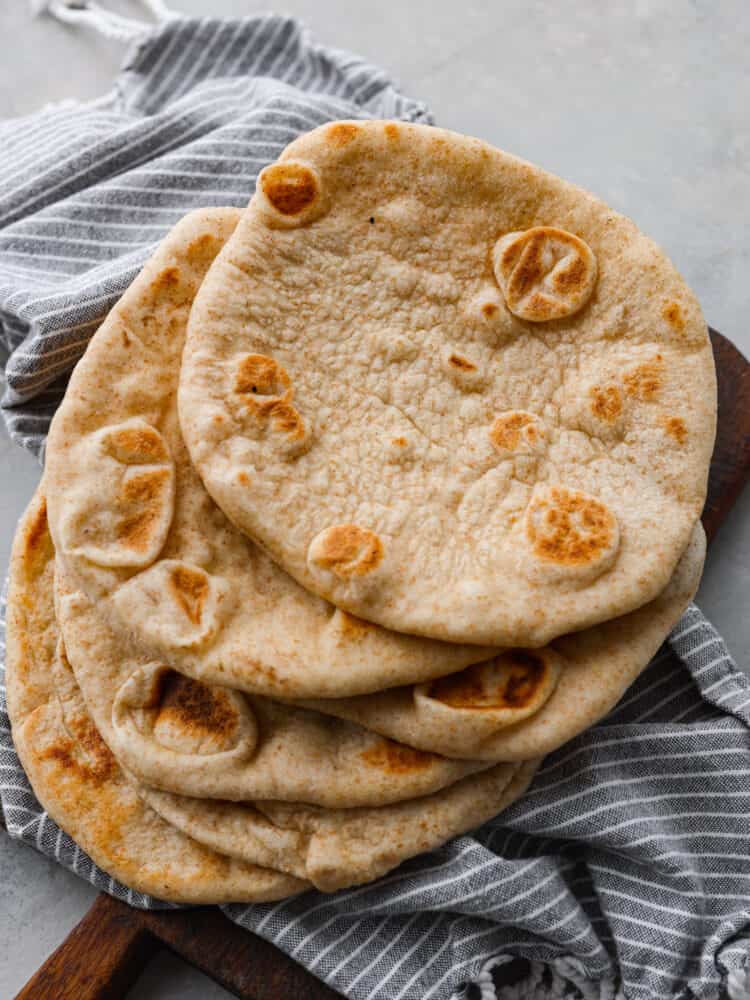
(563, 979)
(106, 22)
(738, 985)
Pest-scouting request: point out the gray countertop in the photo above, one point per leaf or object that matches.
(644, 103)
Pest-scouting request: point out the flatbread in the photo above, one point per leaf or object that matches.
(469, 714)
(74, 775)
(78, 781)
(184, 736)
(140, 535)
(448, 391)
(337, 849)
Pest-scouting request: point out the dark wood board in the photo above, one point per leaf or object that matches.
(103, 956)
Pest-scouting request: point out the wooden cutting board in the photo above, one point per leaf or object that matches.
(104, 955)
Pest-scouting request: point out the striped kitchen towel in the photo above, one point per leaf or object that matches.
(88, 190)
(625, 870)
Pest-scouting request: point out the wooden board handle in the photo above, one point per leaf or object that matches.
(100, 959)
(239, 961)
(730, 464)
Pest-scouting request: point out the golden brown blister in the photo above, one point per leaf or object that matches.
(569, 533)
(518, 432)
(347, 550)
(290, 194)
(124, 522)
(517, 682)
(545, 273)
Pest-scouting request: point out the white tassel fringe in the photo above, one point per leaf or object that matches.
(107, 23)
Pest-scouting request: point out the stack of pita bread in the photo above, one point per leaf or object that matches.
(360, 502)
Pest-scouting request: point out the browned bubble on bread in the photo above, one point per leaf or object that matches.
(570, 528)
(545, 273)
(511, 680)
(347, 550)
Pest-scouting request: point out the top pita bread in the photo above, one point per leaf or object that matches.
(448, 391)
(136, 529)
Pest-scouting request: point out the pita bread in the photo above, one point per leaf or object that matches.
(141, 537)
(467, 714)
(338, 848)
(74, 775)
(79, 782)
(184, 736)
(448, 391)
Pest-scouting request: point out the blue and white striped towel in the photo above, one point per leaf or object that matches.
(625, 870)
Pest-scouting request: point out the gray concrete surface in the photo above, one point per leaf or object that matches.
(644, 102)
